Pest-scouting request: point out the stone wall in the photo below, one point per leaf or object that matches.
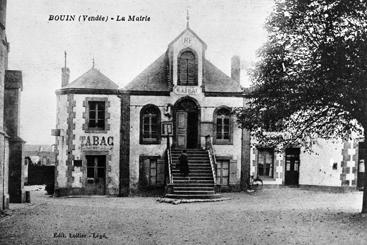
(73, 143)
(333, 163)
(207, 107)
(3, 66)
(317, 168)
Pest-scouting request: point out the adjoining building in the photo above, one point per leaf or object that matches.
(88, 130)
(11, 145)
(119, 141)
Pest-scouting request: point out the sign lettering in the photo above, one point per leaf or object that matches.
(96, 141)
(186, 90)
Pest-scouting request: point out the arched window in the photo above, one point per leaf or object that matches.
(222, 121)
(187, 69)
(150, 121)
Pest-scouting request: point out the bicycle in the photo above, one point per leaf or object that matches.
(254, 184)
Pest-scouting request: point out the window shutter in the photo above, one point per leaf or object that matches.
(233, 172)
(160, 172)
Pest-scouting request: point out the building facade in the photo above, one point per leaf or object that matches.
(332, 164)
(11, 145)
(120, 141)
(88, 131)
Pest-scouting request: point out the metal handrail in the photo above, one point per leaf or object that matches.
(212, 159)
(169, 160)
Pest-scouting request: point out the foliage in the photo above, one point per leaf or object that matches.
(312, 74)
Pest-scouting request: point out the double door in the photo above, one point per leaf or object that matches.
(186, 129)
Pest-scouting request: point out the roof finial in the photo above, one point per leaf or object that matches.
(187, 18)
(65, 59)
(93, 63)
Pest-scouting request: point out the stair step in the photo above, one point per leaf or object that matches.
(197, 170)
(192, 173)
(192, 192)
(204, 181)
(195, 177)
(193, 188)
(193, 196)
(192, 184)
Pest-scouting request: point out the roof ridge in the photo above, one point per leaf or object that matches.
(93, 78)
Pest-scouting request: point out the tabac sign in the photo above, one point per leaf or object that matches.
(186, 90)
(95, 142)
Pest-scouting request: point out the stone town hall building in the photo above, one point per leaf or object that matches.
(118, 141)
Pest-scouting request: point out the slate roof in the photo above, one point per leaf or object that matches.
(217, 81)
(153, 79)
(93, 79)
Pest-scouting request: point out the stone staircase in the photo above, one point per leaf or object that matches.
(199, 184)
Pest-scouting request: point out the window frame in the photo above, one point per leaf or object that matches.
(185, 83)
(156, 140)
(222, 159)
(271, 151)
(95, 167)
(222, 141)
(143, 158)
(86, 115)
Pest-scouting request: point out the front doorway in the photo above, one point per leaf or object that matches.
(292, 166)
(96, 175)
(186, 121)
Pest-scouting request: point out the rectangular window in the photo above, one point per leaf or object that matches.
(223, 172)
(222, 120)
(265, 162)
(96, 113)
(96, 168)
(152, 172)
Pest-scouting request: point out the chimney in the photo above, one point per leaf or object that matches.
(65, 74)
(13, 87)
(235, 68)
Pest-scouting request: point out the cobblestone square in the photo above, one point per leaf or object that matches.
(271, 216)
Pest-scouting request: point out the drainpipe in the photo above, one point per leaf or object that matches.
(3, 176)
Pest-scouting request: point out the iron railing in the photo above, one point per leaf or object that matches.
(213, 161)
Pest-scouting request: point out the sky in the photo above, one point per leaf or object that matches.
(121, 50)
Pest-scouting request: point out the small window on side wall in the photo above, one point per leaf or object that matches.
(223, 127)
(150, 125)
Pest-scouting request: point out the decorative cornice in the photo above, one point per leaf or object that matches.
(224, 94)
(86, 91)
(147, 93)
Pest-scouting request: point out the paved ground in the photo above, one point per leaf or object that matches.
(272, 216)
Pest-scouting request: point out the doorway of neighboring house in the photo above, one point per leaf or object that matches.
(96, 175)
(186, 124)
(292, 166)
(362, 157)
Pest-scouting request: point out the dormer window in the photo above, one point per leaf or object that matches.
(187, 69)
